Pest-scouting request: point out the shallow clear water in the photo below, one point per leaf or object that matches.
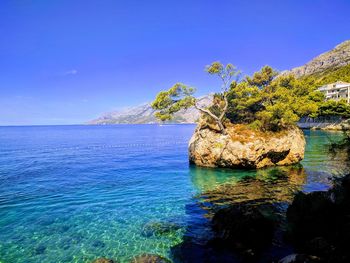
(76, 193)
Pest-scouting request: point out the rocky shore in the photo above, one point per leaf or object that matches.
(319, 225)
(331, 123)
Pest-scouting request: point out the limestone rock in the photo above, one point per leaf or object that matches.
(335, 58)
(245, 148)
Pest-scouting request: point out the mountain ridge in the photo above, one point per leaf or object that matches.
(335, 58)
(144, 114)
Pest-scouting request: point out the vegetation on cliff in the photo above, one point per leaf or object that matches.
(330, 75)
(332, 60)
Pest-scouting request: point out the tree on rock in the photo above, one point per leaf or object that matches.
(180, 96)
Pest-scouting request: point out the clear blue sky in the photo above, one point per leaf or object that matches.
(68, 61)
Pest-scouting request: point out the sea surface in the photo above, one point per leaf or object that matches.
(76, 193)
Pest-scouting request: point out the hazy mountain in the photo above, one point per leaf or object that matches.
(336, 58)
(145, 114)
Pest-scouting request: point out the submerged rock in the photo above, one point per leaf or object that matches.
(150, 258)
(98, 243)
(104, 260)
(40, 249)
(159, 228)
(275, 185)
(319, 223)
(242, 147)
(244, 228)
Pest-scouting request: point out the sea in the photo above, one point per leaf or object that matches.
(77, 193)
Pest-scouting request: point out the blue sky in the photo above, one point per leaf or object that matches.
(68, 61)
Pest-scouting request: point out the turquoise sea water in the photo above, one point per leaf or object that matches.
(76, 193)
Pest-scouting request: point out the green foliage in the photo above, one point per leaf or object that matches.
(263, 101)
(262, 78)
(180, 96)
(332, 107)
(277, 116)
(225, 73)
(173, 100)
(270, 103)
(244, 102)
(329, 76)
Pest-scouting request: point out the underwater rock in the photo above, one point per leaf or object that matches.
(279, 184)
(309, 213)
(244, 228)
(76, 238)
(71, 240)
(104, 260)
(150, 258)
(189, 251)
(242, 147)
(40, 249)
(319, 222)
(98, 243)
(159, 228)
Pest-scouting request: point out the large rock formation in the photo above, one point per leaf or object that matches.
(245, 148)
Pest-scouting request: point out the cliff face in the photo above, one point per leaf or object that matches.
(244, 148)
(335, 58)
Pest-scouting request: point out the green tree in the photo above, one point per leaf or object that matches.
(266, 100)
(285, 100)
(168, 102)
(332, 108)
(271, 102)
(263, 77)
(244, 102)
(180, 96)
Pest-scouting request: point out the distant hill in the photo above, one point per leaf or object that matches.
(330, 61)
(144, 113)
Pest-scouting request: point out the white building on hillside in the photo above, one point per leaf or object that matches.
(336, 91)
